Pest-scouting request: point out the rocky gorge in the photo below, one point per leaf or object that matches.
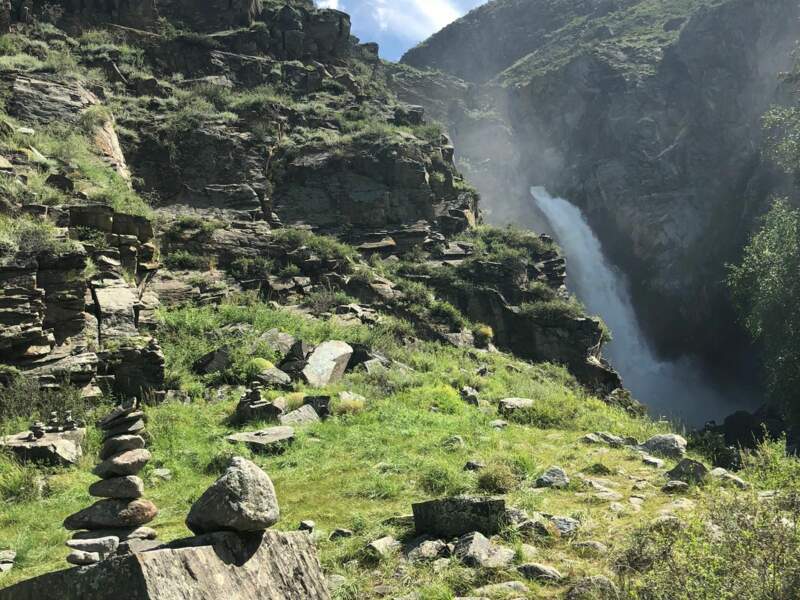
(239, 262)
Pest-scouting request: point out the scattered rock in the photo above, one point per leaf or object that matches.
(475, 550)
(554, 477)
(652, 461)
(278, 341)
(7, 558)
(162, 474)
(669, 445)
(566, 526)
(474, 465)
(539, 572)
(509, 406)
(453, 517)
(340, 533)
(382, 548)
(305, 415)
(675, 487)
(498, 424)
(213, 362)
(454, 442)
(134, 533)
(689, 471)
(426, 549)
(593, 588)
(502, 589)
(725, 477)
(243, 499)
(590, 548)
(335, 582)
(272, 440)
(307, 525)
(470, 395)
(274, 379)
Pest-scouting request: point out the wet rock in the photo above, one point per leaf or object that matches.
(113, 513)
(554, 477)
(272, 440)
(539, 572)
(669, 445)
(118, 487)
(243, 499)
(453, 517)
(327, 363)
(120, 465)
(475, 550)
(688, 471)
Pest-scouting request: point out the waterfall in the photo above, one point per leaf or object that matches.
(676, 389)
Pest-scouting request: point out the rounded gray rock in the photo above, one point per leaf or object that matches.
(243, 499)
(120, 444)
(121, 465)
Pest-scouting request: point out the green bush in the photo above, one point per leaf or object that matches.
(741, 547)
(443, 480)
(251, 268)
(497, 478)
(29, 236)
(184, 260)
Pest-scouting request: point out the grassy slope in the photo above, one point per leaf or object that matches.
(357, 469)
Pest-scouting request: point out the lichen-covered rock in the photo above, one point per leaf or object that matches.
(269, 565)
(243, 499)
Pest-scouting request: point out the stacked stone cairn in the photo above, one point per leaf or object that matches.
(121, 514)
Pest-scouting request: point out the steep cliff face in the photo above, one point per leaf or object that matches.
(647, 114)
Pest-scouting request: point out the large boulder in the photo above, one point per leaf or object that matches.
(327, 363)
(670, 445)
(269, 566)
(453, 517)
(243, 499)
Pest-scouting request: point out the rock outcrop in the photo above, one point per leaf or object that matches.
(269, 565)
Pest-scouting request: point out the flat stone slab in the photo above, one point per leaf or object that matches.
(305, 415)
(272, 440)
(112, 513)
(269, 566)
(55, 449)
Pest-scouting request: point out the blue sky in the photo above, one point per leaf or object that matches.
(398, 25)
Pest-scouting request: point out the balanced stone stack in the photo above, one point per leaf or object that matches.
(121, 514)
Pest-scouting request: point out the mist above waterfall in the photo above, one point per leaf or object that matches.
(674, 389)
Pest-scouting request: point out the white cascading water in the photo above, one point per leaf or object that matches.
(675, 390)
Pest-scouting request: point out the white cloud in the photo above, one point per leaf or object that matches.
(414, 19)
(328, 3)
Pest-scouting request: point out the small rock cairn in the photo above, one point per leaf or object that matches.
(121, 513)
